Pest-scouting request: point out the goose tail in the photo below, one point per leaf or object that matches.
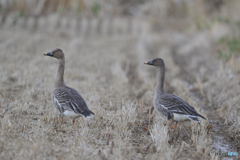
(88, 113)
(195, 119)
(199, 115)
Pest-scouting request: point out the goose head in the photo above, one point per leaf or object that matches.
(57, 53)
(157, 62)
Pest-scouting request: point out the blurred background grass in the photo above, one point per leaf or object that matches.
(175, 8)
(181, 15)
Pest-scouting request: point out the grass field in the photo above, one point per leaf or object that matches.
(104, 62)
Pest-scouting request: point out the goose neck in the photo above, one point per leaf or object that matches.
(59, 77)
(160, 81)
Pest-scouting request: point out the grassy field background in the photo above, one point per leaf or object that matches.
(105, 45)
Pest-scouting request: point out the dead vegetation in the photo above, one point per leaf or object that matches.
(104, 62)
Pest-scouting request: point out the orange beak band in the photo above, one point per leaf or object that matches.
(149, 63)
(48, 54)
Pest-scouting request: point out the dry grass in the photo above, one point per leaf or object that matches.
(121, 128)
(224, 98)
(104, 62)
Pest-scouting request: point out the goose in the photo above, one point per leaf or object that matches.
(171, 106)
(68, 101)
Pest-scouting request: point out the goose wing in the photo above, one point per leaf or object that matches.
(67, 98)
(175, 104)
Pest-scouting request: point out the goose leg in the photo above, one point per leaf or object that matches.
(168, 123)
(61, 120)
(73, 121)
(175, 126)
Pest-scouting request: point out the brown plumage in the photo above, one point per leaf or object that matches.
(68, 101)
(171, 106)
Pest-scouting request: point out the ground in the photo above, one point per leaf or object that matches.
(105, 63)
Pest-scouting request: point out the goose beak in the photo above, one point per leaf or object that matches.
(48, 54)
(149, 63)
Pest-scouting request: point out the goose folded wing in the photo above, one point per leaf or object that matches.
(175, 104)
(69, 99)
